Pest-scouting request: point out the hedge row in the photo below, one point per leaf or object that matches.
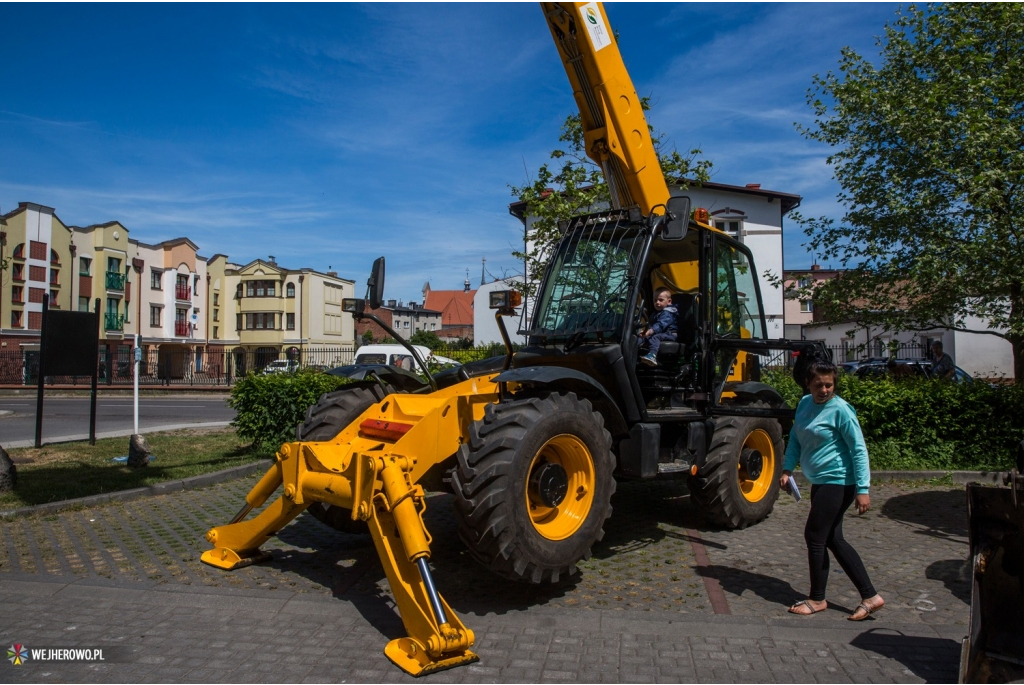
(271, 406)
(928, 424)
(908, 424)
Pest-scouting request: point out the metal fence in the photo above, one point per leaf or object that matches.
(173, 367)
(199, 367)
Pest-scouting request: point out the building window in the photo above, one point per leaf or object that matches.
(405, 324)
(216, 332)
(54, 257)
(155, 314)
(18, 272)
(15, 319)
(53, 299)
(238, 321)
(271, 289)
(804, 282)
(806, 306)
(113, 265)
(216, 315)
(156, 279)
(127, 313)
(19, 251)
(238, 291)
(433, 326)
(83, 304)
(289, 290)
(37, 250)
(84, 266)
(195, 284)
(17, 294)
(216, 299)
(291, 321)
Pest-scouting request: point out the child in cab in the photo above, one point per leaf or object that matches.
(663, 327)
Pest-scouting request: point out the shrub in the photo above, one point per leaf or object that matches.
(271, 406)
(928, 424)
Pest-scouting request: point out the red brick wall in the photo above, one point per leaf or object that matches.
(37, 273)
(37, 250)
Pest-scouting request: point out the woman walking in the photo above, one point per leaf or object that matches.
(827, 442)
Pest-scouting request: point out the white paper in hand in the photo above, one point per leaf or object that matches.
(792, 488)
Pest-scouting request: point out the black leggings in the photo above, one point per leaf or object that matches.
(824, 530)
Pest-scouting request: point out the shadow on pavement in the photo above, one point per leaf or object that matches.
(955, 575)
(737, 581)
(938, 513)
(935, 660)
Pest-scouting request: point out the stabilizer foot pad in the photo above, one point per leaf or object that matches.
(229, 559)
(412, 658)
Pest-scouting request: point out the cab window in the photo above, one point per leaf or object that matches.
(737, 306)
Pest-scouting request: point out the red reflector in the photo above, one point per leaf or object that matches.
(388, 430)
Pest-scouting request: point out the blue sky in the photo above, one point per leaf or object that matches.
(330, 134)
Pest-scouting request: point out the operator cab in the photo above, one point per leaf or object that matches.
(596, 299)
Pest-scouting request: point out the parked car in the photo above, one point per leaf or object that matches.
(281, 366)
(921, 368)
(397, 355)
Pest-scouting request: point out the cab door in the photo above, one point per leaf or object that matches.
(738, 346)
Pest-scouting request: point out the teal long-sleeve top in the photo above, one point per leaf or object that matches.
(827, 442)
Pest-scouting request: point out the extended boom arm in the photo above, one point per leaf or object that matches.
(614, 127)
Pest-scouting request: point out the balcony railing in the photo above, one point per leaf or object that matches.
(111, 321)
(182, 292)
(182, 328)
(115, 281)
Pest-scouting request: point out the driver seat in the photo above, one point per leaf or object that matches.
(675, 359)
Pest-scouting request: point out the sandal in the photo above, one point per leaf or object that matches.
(867, 611)
(806, 603)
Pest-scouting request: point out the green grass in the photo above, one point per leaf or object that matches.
(76, 469)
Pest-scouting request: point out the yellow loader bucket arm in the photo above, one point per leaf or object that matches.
(614, 127)
(371, 468)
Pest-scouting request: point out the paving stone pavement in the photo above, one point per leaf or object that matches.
(127, 577)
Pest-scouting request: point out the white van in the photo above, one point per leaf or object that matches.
(397, 355)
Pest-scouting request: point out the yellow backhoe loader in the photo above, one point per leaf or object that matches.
(532, 443)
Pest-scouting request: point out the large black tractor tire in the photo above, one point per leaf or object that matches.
(730, 489)
(533, 486)
(324, 420)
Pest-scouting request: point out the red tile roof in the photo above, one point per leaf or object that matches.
(456, 306)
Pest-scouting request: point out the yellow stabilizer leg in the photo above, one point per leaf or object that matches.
(238, 544)
(437, 638)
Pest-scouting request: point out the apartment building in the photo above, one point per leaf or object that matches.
(194, 315)
(279, 312)
(171, 278)
(406, 320)
(40, 252)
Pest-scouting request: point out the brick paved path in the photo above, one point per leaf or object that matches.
(128, 577)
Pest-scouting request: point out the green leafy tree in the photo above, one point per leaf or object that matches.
(928, 149)
(573, 184)
(426, 338)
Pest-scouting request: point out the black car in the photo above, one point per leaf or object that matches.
(905, 368)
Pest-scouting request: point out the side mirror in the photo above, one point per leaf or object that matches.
(678, 221)
(375, 284)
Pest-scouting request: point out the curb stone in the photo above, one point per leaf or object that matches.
(190, 483)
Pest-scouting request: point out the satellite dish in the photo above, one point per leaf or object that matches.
(195, 317)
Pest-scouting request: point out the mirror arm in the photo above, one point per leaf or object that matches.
(404, 343)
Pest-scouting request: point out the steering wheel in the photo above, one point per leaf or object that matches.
(606, 306)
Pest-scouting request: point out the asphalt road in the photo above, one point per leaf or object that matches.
(68, 417)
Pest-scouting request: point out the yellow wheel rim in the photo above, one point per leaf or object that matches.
(559, 518)
(754, 489)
